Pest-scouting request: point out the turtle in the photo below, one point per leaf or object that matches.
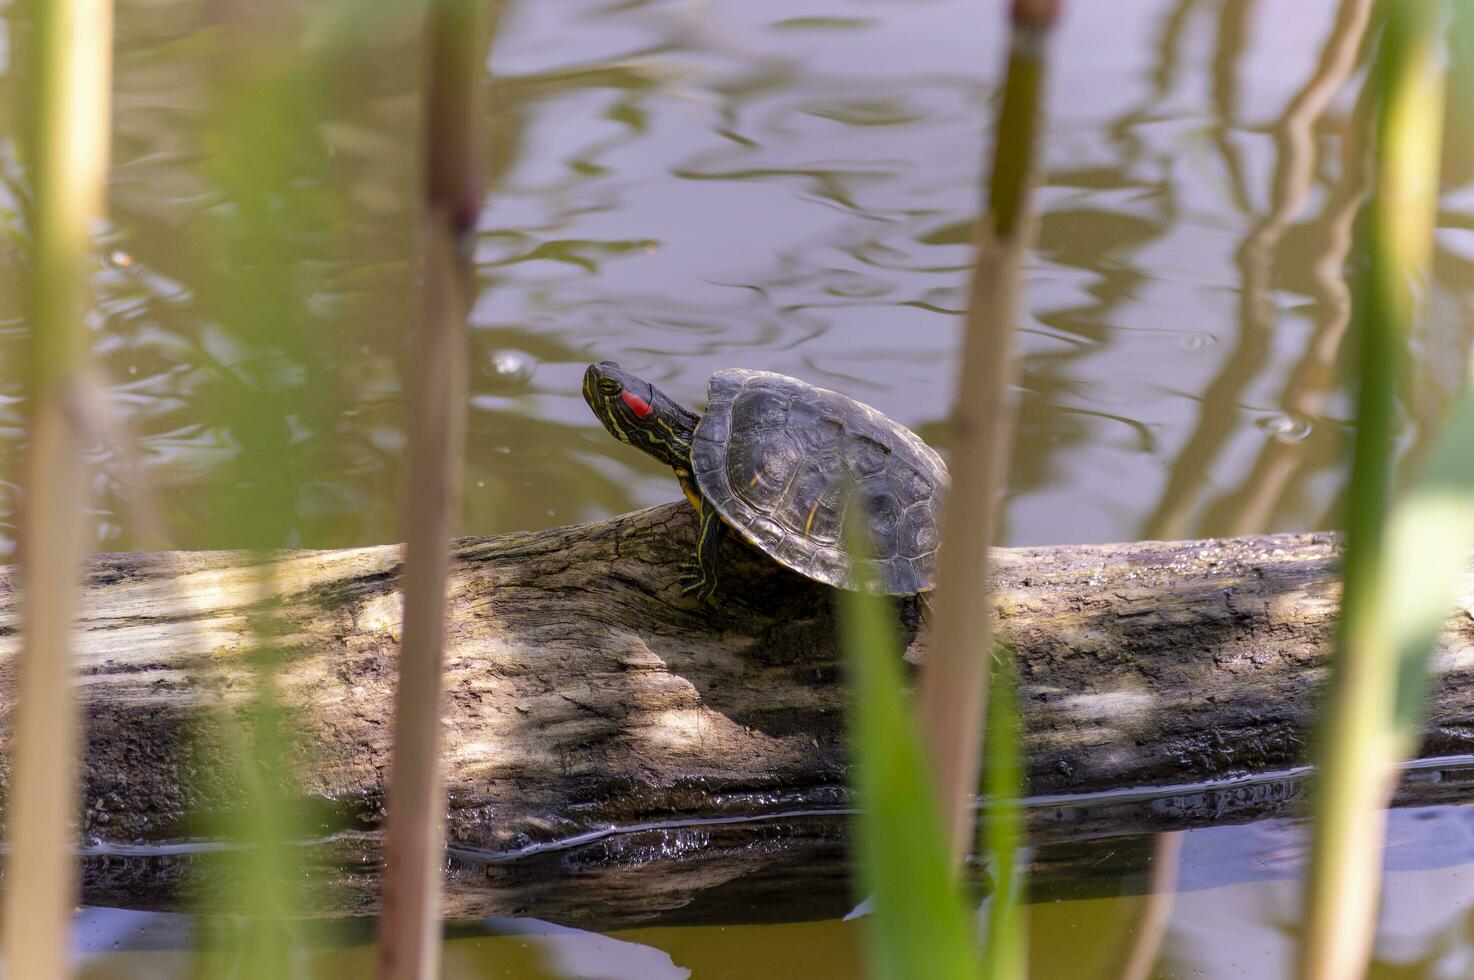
(783, 463)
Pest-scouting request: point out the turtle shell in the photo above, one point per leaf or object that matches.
(782, 462)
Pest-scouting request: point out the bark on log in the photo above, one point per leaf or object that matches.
(584, 693)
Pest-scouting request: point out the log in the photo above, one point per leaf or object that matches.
(602, 730)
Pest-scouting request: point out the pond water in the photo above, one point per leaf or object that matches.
(1231, 912)
(687, 185)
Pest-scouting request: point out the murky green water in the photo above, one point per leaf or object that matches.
(684, 186)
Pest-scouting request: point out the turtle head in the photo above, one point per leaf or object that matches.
(638, 413)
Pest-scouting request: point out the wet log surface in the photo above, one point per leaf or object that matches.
(585, 693)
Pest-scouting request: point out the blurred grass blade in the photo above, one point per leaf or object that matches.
(251, 931)
(954, 677)
(275, 222)
(409, 937)
(68, 157)
(920, 926)
(1430, 537)
(1005, 949)
(1361, 741)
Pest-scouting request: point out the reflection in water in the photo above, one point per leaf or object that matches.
(1146, 936)
(1232, 915)
(116, 944)
(687, 190)
(1251, 506)
(1258, 311)
(1231, 40)
(737, 186)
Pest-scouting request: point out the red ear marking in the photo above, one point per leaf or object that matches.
(638, 405)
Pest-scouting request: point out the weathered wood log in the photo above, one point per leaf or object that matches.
(585, 693)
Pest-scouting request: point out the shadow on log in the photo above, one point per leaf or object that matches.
(584, 693)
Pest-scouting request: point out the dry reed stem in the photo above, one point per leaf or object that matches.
(409, 936)
(953, 687)
(41, 874)
(69, 166)
(1156, 909)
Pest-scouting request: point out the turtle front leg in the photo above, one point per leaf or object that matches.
(700, 576)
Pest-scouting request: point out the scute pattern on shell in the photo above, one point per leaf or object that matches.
(780, 460)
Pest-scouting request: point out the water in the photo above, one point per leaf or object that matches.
(684, 186)
(1233, 913)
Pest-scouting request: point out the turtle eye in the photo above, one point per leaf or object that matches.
(609, 387)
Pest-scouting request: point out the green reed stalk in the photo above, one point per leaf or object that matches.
(409, 937)
(920, 926)
(954, 678)
(1385, 638)
(1005, 949)
(69, 155)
